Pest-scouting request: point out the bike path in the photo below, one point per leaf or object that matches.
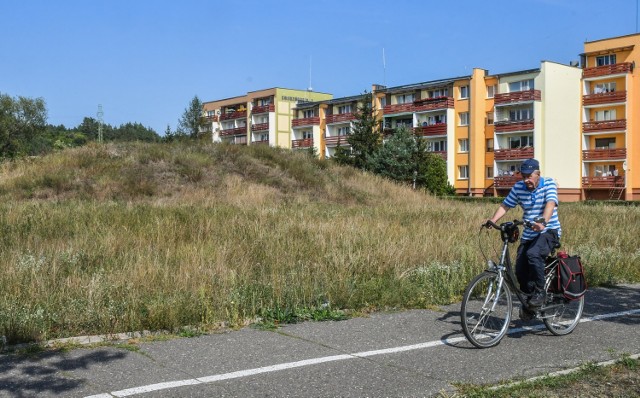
(411, 353)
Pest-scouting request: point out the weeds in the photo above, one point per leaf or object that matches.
(156, 237)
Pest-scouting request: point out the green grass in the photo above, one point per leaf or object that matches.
(114, 238)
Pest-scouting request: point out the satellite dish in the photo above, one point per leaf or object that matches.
(624, 166)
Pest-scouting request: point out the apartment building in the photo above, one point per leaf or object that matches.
(610, 119)
(259, 117)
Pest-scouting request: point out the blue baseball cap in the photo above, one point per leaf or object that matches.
(529, 166)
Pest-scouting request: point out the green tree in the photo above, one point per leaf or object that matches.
(191, 120)
(22, 120)
(396, 158)
(365, 138)
(434, 172)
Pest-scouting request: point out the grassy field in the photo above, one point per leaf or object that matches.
(113, 238)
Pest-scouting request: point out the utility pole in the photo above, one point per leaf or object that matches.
(100, 122)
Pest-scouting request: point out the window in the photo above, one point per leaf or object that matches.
(435, 119)
(228, 125)
(383, 102)
(263, 119)
(443, 92)
(600, 88)
(264, 137)
(464, 92)
(491, 91)
(309, 113)
(343, 130)
(520, 142)
(489, 172)
(522, 85)
(344, 109)
(605, 143)
(437, 146)
(404, 98)
(408, 123)
(464, 118)
(211, 113)
(489, 144)
(607, 170)
(463, 145)
(489, 118)
(463, 172)
(605, 115)
(520, 114)
(306, 135)
(606, 60)
(264, 101)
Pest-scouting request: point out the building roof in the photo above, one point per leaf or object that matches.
(428, 84)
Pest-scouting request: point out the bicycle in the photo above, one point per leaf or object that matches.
(487, 302)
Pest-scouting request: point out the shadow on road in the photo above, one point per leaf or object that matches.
(30, 376)
(598, 301)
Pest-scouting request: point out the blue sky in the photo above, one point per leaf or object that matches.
(143, 61)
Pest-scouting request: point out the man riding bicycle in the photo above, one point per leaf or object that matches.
(538, 197)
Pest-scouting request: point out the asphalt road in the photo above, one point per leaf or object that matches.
(403, 354)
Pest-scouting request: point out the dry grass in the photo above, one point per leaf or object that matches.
(111, 238)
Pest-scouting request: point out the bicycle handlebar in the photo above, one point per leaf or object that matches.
(491, 224)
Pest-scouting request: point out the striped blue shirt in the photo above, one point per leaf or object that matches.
(533, 203)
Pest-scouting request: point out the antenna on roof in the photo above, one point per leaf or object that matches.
(384, 69)
(310, 88)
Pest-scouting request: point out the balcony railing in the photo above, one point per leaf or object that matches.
(260, 142)
(513, 154)
(511, 126)
(235, 131)
(517, 96)
(604, 154)
(604, 98)
(504, 182)
(398, 108)
(604, 126)
(239, 140)
(426, 131)
(603, 182)
(234, 115)
(336, 140)
(263, 109)
(212, 118)
(308, 121)
(343, 117)
(259, 127)
(432, 104)
(304, 143)
(605, 70)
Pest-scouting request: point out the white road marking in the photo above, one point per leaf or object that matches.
(314, 361)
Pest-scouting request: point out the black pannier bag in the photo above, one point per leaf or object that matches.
(571, 281)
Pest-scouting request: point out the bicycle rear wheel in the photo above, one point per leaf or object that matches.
(562, 315)
(485, 311)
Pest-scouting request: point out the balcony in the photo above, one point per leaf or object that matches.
(398, 108)
(603, 182)
(235, 131)
(604, 126)
(604, 98)
(259, 127)
(607, 70)
(513, 154)
(432, 104)
(263, 109)
(604, 154)
(517, 96)
(505, 182)
(513, 126)
(340, 118)
(239, 140)
(303, 143)
(308, 121)
(260, 142)
(336, 140)
(234, 115)
(427, 131)
(212, 118)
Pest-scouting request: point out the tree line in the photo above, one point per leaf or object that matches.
(24, 130)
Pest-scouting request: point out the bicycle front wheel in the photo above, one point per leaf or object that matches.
(486, 310)
(561, 315)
